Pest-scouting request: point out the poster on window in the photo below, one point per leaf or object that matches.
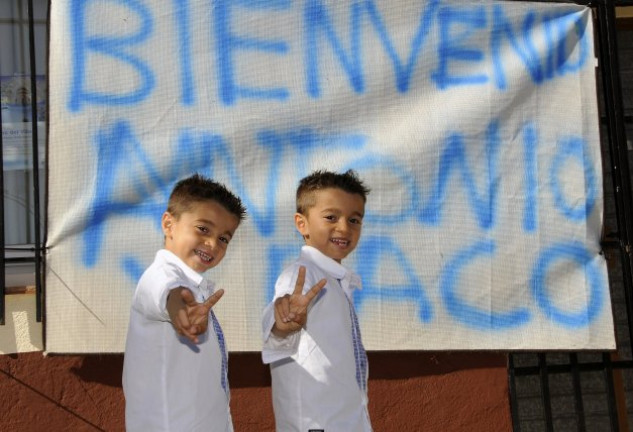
(17, 121)
(474, 123)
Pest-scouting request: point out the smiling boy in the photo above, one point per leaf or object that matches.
(175, 364)
(311, 335)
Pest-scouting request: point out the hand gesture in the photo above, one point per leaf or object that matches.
(189, 317)
(291, 310)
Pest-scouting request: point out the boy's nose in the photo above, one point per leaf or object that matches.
(343, 226)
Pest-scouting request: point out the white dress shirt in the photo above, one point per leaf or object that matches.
(170, 383)
(313, 371)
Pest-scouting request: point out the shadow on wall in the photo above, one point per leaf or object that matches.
(247, 371)
(385, 365)
(100, 368)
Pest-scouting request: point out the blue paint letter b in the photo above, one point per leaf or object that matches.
(88, 47)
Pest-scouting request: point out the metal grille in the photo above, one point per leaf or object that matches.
(592, 391)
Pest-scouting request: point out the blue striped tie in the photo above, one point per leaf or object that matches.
(360, 355)
(225, 363)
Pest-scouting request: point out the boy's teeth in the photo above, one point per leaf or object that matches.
(203, 255)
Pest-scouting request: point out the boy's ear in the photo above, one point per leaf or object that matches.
(301, 224)
(166, 223)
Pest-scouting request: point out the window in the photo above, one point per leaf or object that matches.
(20, 125)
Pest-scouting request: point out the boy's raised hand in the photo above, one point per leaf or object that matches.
(189, 317)
(291, 310)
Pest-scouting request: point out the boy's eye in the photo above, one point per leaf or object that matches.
(203, 229)
(330, 217)
(356, 221)
(224, 240)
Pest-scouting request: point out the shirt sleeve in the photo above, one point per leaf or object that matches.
(151, 294)
(275, 347)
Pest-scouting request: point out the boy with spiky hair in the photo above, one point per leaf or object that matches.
(175, 364)
(312, 339)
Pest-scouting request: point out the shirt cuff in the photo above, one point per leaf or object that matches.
(278, 348)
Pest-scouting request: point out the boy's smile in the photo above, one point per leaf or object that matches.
(333, 224)
(201, 235)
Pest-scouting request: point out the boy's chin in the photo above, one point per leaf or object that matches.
(207, 268)
(336, 255)
(202, 268)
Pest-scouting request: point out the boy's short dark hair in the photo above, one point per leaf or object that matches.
(322, 179)
(197, 188)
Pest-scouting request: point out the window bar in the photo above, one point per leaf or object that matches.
(36, 168)
(578, 403)
(514, 403)
(611, 402)
(545, 396)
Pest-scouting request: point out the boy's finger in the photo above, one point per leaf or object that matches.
(187, 296)
(184, 328)
(282, 307)
(300, 280)
(280, 317)
(215, 297)
(285, 325)
(191, 336)
(316, 289)
(191, 331)
(183, 321)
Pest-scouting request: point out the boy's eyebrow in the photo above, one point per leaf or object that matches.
(337, 210)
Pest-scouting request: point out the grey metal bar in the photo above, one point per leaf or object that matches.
(611, 402)
(545, 396)
(567, 368)
(2, 239)
(578, 403)
(514, 403)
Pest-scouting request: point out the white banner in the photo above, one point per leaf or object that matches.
(474, 123)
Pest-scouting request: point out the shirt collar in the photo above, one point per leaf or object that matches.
(196, 278)
(349, 280)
